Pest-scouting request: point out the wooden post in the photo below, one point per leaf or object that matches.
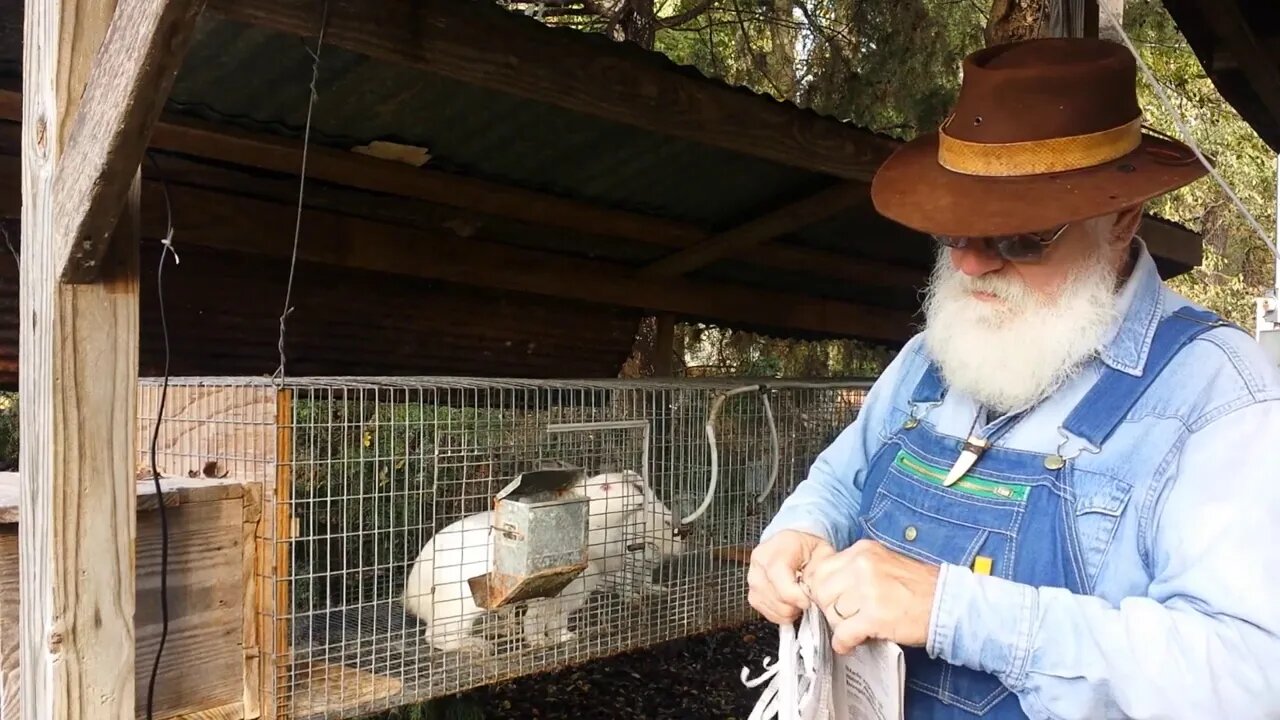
(664, 346)
(1092, 19)
(275, 574)
(78, 349)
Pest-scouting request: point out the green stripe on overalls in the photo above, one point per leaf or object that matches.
(968, 484)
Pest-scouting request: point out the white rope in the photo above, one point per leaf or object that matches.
(1182, 126)
(800, 679)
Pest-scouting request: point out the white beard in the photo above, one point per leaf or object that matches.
(1012, 354)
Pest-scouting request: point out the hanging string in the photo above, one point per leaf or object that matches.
(1182, 126)
(278, 376)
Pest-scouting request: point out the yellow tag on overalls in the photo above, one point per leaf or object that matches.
(982, 565)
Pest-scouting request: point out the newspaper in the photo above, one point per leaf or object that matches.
(867, 684)
(810, 682)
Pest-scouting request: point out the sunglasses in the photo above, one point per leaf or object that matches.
(1022, 247)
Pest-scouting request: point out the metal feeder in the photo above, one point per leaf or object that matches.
(540, 539)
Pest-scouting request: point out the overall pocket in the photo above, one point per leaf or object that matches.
(913, 513)
(973, 523)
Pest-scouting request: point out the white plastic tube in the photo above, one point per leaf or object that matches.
(715, 454)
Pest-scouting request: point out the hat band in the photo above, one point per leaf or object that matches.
(1036, 157)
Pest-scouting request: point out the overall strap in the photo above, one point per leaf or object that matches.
(1111, 398)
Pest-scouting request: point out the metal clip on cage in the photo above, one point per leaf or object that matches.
(540, 541)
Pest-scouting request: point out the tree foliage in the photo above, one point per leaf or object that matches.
(1238, 266)
(893, 66)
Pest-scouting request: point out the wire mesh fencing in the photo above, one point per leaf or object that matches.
(378, 515)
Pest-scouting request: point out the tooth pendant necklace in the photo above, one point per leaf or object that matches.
(972, 449)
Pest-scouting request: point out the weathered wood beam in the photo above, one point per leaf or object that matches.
(132, 74)
(249, 225)
(78, 349)
(479, 43)
(800, 214)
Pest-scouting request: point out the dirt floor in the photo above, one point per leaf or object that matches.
(691, 679)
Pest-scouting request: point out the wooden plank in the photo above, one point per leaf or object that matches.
(79, 350)
(202, 667)
(127, 87)
(788, 218)
(10, 658)
(205, 546)
(484, 45)
(282, 155)
(233, 711)
(331, 690)
(176, 492)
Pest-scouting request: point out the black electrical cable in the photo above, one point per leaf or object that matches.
(166, 248)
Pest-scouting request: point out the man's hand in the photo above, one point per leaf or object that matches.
(772, 584)
(869, 591)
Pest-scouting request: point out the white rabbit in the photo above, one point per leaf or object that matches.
(437, 592)
(652, 525)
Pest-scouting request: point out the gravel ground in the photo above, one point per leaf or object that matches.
(694, 678)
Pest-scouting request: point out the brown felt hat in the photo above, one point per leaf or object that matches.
(1044, 132)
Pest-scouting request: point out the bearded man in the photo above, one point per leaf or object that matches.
(1062, 498)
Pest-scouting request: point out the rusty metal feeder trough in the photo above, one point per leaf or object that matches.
(540, 541)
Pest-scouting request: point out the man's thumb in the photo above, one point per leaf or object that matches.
(820, 551)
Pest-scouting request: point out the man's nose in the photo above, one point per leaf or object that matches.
(976, 260)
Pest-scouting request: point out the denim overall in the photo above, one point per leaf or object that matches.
(1010, 516)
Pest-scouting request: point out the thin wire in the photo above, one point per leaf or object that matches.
(166, 248)
(17, 261)
(1182, 127)
(302, 183)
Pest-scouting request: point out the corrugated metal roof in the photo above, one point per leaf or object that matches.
(259, 79)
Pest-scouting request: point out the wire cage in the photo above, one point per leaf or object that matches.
(374, 505)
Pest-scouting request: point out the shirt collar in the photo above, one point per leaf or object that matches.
(1140, 304)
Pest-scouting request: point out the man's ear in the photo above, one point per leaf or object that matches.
(1126, 225)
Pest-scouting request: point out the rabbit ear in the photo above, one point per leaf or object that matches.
(637, 480)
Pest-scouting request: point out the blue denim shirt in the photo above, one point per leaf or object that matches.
(1180, 527)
